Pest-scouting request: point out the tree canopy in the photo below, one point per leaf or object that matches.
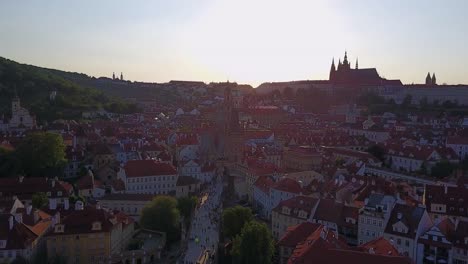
(442, 169)
(41, 154)
(234, 219)
(186, 205)
(377, 152)
(38, 154)
(253, 245)
(162, 215)
(39, 200)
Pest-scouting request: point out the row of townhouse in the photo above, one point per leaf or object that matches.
(432, 235)
(418, 158)
(339, 217)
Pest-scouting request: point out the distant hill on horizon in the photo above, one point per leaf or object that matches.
(35, 84)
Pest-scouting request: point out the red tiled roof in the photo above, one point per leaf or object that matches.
(454, 198)
(127, 197)
(141, 168)
(28, 186)
(323, 247)
(379, 246)
(296, 234)
(288, 185)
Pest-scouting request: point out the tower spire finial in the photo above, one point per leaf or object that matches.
(345, 59)
(357, 64)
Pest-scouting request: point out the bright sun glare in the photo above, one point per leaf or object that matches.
(255, 41)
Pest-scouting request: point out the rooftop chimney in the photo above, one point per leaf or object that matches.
(445, 188)
(36, 216)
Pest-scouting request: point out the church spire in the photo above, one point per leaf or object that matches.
(121, 76)
(345, 59)
(357, 65)
(332, 70)
(434, 80)
(428, 79)
(113, 76)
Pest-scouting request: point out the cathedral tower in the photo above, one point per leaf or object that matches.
(428, 79)
(332, 70)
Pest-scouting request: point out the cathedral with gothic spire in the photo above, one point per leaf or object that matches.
(431, 80)
(344, 75)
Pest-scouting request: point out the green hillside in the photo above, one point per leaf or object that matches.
(34, 84)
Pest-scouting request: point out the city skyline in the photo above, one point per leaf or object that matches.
(222, 40)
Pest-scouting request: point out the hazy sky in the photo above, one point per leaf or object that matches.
(248, 41)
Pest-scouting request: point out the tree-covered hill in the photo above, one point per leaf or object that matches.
(34, 84)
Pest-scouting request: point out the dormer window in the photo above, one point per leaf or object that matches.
(96, 226)
(59, 193)
(302, 214)
(286, 210)
(49, 194)
(2, 243)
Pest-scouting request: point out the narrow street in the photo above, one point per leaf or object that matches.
(203, 236)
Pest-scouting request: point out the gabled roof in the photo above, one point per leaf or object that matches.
(19, 237)
(410, 216)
